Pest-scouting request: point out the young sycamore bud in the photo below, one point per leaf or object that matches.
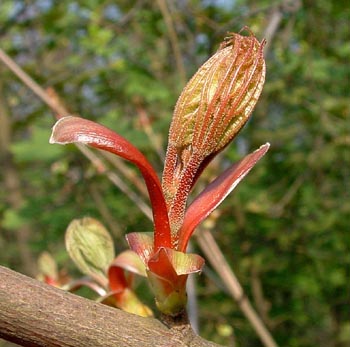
(213, 107)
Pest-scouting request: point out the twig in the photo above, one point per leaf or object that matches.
(286, 6)
(173, 39)
(115, 179)
(105, 212)
(263, 306)
(132, 195)
(148, 129)
(127, 172)
(32, 85)
(274, 22)
(277, 209)
(216, 258)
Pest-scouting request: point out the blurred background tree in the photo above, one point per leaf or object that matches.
(123, 63)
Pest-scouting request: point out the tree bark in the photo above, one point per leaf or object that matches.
(35, 314)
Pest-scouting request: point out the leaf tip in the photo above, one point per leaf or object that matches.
(56, 130)
(264, 148)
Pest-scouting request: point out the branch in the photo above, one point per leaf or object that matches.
(213, 253)
(173, 39)
(35, 314)
(31, 84)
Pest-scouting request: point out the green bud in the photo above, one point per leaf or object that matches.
(91, 248)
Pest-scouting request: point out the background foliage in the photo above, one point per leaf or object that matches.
(285, 228)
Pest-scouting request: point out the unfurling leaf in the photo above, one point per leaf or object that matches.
(78, 130)
(129, 261)
(211, 110)
(212, 196)
(91, 248)
(121, 275)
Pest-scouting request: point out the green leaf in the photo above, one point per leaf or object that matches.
(91, 247)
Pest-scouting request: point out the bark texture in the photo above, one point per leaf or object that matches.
(35, 314)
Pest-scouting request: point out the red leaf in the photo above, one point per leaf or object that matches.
(215, 193)
(79, 130)
(125, 261)
(117, 279)
(169, 264)
(168, 272)
(141, 244)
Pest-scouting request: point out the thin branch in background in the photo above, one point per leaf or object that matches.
(105, 212)
(32, 85)
(148, 129)
(127, 17)
(275, 18)
(204, 237)
(214, 255)
(221, 29)
(173, 40)
(115, 179)
(273, 23)
(144, 207)
(192, 303)
(261, 303)
(278, 209)
(120, 165)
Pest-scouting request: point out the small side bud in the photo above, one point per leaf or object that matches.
(91, 248)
